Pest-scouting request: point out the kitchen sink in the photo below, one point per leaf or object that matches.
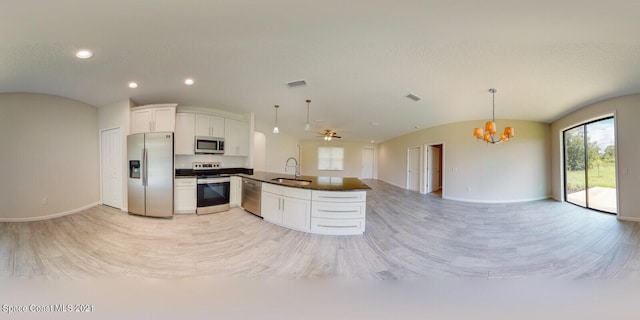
(292, 182)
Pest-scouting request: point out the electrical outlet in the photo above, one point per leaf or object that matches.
(44, 201)
(468, 189)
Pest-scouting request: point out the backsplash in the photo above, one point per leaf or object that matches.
(185, 162)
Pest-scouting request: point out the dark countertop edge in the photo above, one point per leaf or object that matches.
(352, 184)
(183, 173)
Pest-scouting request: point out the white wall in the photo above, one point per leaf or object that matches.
(49, 150)
(627, 117)
(116, 115)
(352, 157)
(474, 171)
(259, 151)
(279, 147)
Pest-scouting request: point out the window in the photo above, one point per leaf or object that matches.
(330, 158)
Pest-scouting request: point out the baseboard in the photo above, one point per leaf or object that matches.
(496, 201)
(393, 184)
(51, 216)
(633, 219)
(555, 198)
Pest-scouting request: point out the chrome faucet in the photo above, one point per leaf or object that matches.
(286, 165)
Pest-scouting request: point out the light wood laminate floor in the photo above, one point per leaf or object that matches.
(408, 236)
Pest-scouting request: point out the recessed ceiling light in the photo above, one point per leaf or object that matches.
(372, 141)
(84, 54)
(189, 81)
(133, 85)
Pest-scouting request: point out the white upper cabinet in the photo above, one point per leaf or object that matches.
(209, 126)
(153, 118)
(236, 138)
(140, 121)
(189, 125)
(185, 133)
(164, 119)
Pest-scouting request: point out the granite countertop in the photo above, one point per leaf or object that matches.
(189, 173)
(316, 183)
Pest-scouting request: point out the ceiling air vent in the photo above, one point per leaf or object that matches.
(297, 83)
(413, 97)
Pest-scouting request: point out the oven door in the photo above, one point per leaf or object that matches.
(213, 195)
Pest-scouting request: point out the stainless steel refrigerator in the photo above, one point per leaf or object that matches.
(150, 179)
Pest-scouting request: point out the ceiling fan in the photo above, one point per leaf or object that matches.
(328, 135)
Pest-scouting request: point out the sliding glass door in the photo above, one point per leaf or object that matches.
(590, 172)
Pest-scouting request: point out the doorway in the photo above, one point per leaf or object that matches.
(413, 168)
(589, 165)
(111, 167)
(367, 163)
(433, 169)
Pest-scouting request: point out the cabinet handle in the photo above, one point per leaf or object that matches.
(339, 197)
(327, 226)
(282, 204)
(321, 210)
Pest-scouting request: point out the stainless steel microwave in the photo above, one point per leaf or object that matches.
(209, 145)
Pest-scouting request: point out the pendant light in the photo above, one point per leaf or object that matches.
(307, 127)
(490, 127)
(275, 128)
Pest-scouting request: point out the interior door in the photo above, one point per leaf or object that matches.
(434, 155)
(111, 165)
(413, 169)
(429, 169)
(367, 163)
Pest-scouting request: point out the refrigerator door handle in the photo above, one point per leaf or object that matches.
(144, 168)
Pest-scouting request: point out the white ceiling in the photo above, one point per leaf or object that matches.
(359, 57)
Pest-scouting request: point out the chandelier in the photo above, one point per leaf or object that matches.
(490, 127)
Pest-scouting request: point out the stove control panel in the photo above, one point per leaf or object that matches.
(206, 165)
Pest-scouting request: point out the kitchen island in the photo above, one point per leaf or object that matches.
(323, 205)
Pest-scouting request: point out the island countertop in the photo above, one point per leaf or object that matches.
(315, 183)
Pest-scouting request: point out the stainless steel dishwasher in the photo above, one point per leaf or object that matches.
(251, 196)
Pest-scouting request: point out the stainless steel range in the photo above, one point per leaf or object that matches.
(213, 189)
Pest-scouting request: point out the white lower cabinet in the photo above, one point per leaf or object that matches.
(296, 213)
(185, 195)
(271, 207)
(338, 212)
(235, 195)
(323, 212)
(286, 206)
(337, 226)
